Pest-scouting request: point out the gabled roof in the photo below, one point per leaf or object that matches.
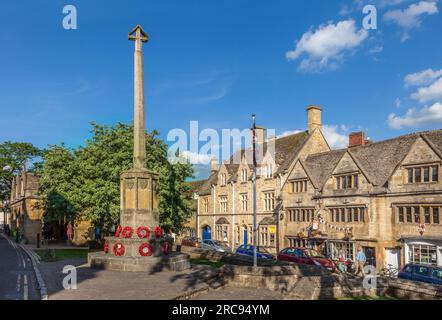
(377, 161)
(286, 149)
(206, 187)
(321, 165)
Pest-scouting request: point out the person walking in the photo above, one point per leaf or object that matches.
(360, 262)
(341, 262)
(69, 231)
(98, 234)
(17, 235)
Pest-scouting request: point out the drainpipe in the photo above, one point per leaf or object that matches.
(197, 197)
(214, 213)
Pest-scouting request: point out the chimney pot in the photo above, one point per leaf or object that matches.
(356, 139)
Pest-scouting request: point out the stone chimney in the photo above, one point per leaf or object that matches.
(314, 118)
(213, 165)
(261, 134)
(356, 139)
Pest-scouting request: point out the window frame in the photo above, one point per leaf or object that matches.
(416, 174)
(347, 181)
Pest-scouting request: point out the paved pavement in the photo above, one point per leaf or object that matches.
(17, 279)
(93, 284)
(229, 293)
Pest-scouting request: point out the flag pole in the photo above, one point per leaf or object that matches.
(255, 256)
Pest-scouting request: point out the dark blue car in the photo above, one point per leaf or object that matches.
(422, 273)
(248, 251)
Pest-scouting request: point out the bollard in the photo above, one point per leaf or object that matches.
(38, 240)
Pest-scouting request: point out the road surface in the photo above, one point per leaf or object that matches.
(17, 279)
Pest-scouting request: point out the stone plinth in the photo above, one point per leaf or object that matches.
(139, 199)
(173, 262)
(142, 251)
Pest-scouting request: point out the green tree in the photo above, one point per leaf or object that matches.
(13, 157)
(87, 180)
(58, 184)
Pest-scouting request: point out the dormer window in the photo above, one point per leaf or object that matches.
(223, 179)
(348, 181)
(423, 174)
(244, 175)
(298, 186)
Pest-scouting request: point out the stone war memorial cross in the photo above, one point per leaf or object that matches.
(139, 243)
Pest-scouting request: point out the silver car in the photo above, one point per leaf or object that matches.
(216, 246)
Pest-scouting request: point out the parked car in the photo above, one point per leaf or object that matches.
(306, 256)
(216, 246)
(422, 273)
(248, 251)
(191, 242)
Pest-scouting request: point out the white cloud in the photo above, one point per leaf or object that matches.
(357, 5)
(195, 158)
(336, 136)
(201, 172)
(423, 77)
(389, 3)
(288, 133)
(377, 49)
(326, 46)
(411, 17)
(430, 93)
(417, 118)
(397, 103)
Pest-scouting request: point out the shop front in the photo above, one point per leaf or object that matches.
(336, 248)
(423, 251)
(315, 243)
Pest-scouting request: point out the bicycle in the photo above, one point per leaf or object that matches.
(390, 271)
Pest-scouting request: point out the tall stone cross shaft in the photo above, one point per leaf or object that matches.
(139, 36)
(139, 186)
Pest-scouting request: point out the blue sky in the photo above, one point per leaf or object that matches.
(217, 62)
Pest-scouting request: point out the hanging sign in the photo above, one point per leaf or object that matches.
(422, 229)
(315, 225)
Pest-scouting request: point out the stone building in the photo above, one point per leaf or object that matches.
(385, 197)
(225, 199)
(190, 227)
(24, 216)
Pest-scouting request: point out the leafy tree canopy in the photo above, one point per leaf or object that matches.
(13, 157)
(85, 182)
